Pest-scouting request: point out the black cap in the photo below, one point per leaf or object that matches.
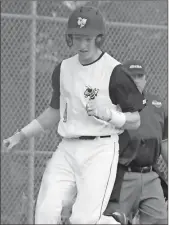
(133, 67)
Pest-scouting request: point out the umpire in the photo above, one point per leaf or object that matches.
(137, 185)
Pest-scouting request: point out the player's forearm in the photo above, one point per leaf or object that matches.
(132, 121)
(118, 119)
(131, 126)
(125, 120)
(114, 116)
(45, 121)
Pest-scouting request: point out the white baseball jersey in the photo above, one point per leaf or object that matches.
(78, 83)
(70, 178)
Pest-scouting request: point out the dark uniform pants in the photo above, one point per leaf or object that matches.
(143, 192)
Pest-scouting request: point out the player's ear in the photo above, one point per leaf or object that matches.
(99, 40)
(69, 40)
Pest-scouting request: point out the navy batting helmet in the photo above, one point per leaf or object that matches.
(86, 21)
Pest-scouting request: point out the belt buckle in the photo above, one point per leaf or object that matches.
(146, 168)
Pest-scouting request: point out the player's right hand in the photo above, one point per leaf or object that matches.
(97, 110)
(12, 141)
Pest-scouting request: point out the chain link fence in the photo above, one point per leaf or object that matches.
(33, 42)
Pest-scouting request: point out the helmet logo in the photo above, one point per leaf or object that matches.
(81, 21)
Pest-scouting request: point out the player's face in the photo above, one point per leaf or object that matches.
(85, 47)
(140, 82)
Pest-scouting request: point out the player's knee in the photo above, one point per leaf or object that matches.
(92, 219)
(48, 212)
(83, 219)
(47, 217)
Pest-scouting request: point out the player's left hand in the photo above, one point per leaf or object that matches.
(100, 111)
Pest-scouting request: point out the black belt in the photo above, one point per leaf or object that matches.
(92, 137)
(145, 169)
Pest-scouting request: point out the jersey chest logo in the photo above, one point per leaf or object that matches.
(91, 92)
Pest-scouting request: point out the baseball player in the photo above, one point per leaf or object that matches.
(85, 162)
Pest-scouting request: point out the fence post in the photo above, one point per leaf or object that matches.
(32, 114)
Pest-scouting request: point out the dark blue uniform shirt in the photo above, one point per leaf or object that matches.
(142, 147)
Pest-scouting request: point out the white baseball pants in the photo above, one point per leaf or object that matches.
(83, 171)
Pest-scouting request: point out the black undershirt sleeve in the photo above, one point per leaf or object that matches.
(124, 92)
(55, 100)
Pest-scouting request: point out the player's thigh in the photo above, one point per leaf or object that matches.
(95, 184)
(57, 187)
(153, 209)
